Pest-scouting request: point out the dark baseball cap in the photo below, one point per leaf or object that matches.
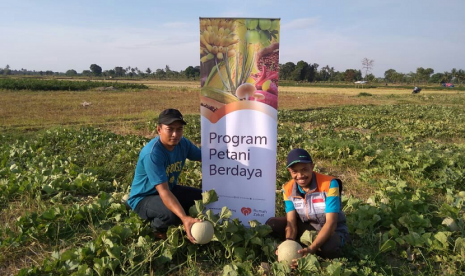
(298, 156)
(169, 116)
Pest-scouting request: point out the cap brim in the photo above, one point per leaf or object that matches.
(299, 161)
(170, 121)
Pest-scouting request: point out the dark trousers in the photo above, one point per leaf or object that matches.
(330, 249)
(153, 209)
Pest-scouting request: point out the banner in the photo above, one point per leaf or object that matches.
(239, 65)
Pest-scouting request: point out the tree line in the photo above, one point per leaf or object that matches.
(300, 72)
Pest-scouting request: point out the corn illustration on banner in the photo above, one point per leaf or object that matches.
(239, 64)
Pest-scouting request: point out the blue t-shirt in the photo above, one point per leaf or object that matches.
(333, 203)
(157, 165)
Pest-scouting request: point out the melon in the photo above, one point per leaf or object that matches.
(451, 224)
(202, 232)
(125, 198)
(287, 251)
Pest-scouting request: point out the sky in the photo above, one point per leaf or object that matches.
(59, 35)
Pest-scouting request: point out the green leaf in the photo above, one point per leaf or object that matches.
(257, 241)
(387, 246)
(254, 223)
(165, 257)
(114, 252)
(235, 238)
(196, 209)
(263, 230)
(209, 197)
(48, 189)
(225, 213)
(334, 269)
(230, 227)
(121, 232)
(230, 270)
(414, 239)
(141, 242)
(239, 253)
(211, 216)
(49, 214)
(308, 263)
(308, 237)
(460, 246)
(281, 269)
(442, 238)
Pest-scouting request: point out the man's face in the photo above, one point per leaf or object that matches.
(302, 173)
(171, 134)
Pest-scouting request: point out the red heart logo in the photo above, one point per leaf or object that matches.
(246, 211)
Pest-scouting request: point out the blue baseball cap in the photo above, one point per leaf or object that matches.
(298, 156)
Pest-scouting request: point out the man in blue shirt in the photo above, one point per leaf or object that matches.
(155, 195)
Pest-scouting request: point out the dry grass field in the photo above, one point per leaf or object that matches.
(121, 110)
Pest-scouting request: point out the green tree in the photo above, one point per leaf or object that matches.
(119, 71)
(71, 73)
(457, 76)
(95, 69)
(86, 73)
(303, 72)
(351, 75)
(325, 73)
(160, 74)
(390, 75)
(111, 73)
(192, 72)
(148, 71)
(423, 74)
(286, 70)
(6, 70)
(438, 78)
(370, 77)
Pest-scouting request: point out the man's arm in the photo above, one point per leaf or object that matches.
(325, 233)
(291, 227)
(172, 203)
(194, 153)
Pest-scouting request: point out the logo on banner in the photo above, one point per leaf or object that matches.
(246, 211)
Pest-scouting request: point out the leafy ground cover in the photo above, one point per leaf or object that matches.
(402, 166)
(381, 85)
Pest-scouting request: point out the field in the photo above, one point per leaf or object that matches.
(65, 165)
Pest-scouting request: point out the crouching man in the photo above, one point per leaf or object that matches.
(155, 195)
(312, 202)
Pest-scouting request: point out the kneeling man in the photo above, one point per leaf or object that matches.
(312, 202)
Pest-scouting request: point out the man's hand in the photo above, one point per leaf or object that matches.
(304, 251)
(172, 203)
(188, 221)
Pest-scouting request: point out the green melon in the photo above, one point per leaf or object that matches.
(287, 251)
(451, 224)
(202, 232)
